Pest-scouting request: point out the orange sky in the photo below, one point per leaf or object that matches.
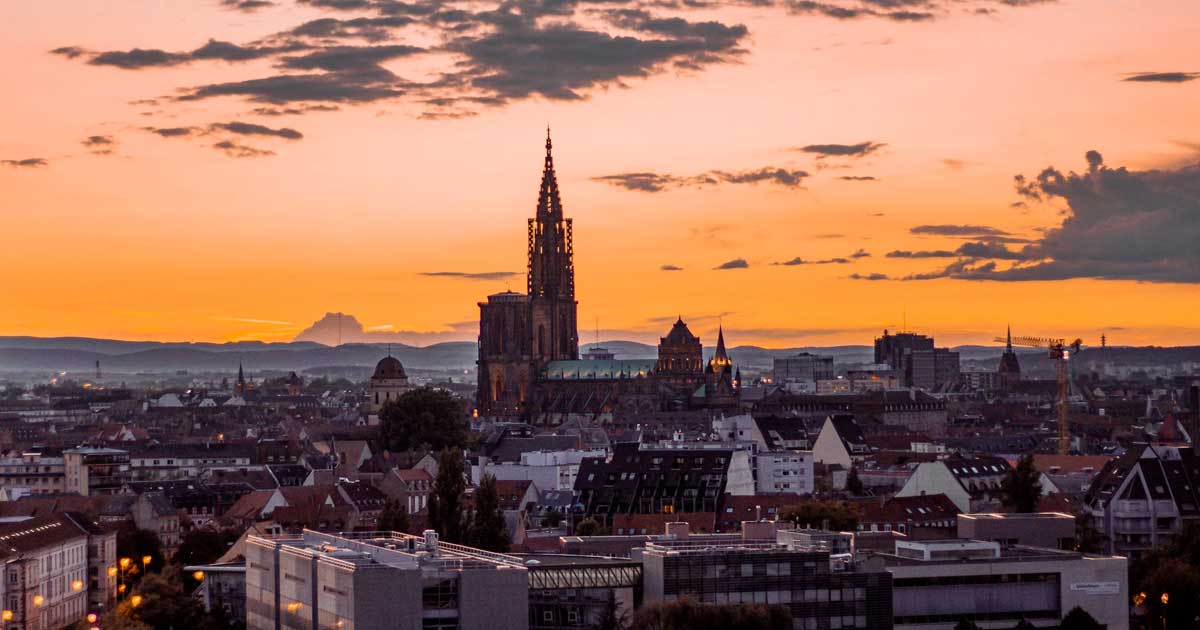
(169, 239)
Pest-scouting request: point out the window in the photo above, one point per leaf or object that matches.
(747, 570)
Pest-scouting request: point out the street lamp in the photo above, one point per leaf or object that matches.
(199, 575)
(1164, 599)
(146, 560)
(125, 563)
(135, 601)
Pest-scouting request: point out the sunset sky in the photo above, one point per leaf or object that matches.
(809, 173)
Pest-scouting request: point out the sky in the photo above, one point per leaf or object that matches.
(800, 172)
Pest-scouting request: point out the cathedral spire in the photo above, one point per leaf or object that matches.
(720, 358)
(551, 268)
(1009, 347)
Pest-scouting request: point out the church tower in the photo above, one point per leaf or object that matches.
(551, 281)
(720, 389)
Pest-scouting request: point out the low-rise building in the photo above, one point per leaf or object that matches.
(786, 472)
(972, 483)
(31, 474)
(95, 471)
(938, 583)
(45, 567)
(1051, 530)
(381, 581)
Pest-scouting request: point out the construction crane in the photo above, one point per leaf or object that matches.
(1060, 352)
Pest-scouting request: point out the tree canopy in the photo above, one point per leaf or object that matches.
(1022, 486)
(202, 546)
(423, 418)
(1079, 619)
(394, 517)
(445, 502)
(688, 614)
(487, 520)
(821, 514)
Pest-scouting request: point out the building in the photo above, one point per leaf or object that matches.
(820, 590)
(186, 461)
(222, 586)
(387, 383)
(1009, 370)
(785, 472)
(1051, 530)
(95, 471)
(378, 581)
(101, 556)
(841, 442)
(1142, 498)
(921, 517)
(529, 363)
(972, 484)
(658, 481)
(45, 564)
(914, 356)
(800, 373)
(31, 474)
(549, 470)
(938, 583)
(153, 511)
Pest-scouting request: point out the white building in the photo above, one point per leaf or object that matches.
(548, 470)
(786, 472)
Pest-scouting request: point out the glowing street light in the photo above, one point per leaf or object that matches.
(6, 615)
(135, 601)
(112, 571)
(77, 585)
(146, 560)
(38, 600)
(92, 617)
(125, 563)
(199, 575)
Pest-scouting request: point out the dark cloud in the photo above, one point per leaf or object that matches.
(371, 29)
(481, 275)
(857, 178)
(670, 268)
(851, 12)
(356, 59)
(26, 163)
(869, 276)
(99, 145)
(957, 230)
(842, 150)
(173, 132)
(251, 129)
(658, 182)
(562, 61)
(289, 88)
(861, 253)
(800, 261)
(736, 263)
(137, 58)
(232, 149)
(247, 6)
(1162, 77)
(293, 111)
(70, 52)
(228, 51)
(939, 253)
(975, 249)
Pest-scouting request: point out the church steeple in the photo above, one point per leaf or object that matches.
(1008, 347)
(720, 358)
(239, 387)
(551, 264)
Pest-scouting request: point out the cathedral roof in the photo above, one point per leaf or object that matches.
(680, 335)
(389, 367)
(584, 369)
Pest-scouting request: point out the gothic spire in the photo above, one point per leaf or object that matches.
(548, 199)
(1009, 338)
(720, 358)
(551, 268)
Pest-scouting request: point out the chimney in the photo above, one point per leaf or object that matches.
(431, 541)
(758, 530)
(679, 530)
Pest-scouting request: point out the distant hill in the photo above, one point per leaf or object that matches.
(81, 354)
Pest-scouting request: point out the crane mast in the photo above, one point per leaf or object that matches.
(1060, 352)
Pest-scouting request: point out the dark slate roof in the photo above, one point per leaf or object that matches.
(35, 533)
(975, 467)
(510, 447)
(847, 429)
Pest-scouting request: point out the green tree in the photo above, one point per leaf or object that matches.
(831, 515)
(202, 546)
(688, 614)
(445, 502)
(394, 517)
(135, 544)
(1079, 619)
(164, 605)
(423, 418)
(854, 485)
(487, 520)
(552, 518)
(1022, 486)
(965, 624)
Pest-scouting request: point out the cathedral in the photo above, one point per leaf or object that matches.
(529, 364)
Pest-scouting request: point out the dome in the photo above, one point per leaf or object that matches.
(680, 335)
(389, 367)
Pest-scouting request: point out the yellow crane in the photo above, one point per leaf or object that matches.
(1060, 352)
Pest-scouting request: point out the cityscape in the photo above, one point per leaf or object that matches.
(488, 315)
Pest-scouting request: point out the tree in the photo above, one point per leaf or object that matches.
(164, 605)
(1079, 619)
(821, 514)
(202, 546)
(1180, 582)
(854, 485)
(965, 624)
(1022, 486)
(590, 527)
(552, 518)
(688, 614)
(423, 418)
(445, 502)
(394, 517)
(487, 520)
(1025, 625)
(614, 616)
(135, 544)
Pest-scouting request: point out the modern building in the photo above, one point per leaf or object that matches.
(222, 587)
(1051, 530)
(799, 373)
(377, 581)
(821, 590)
(96, 471)
(784, 472)
(938, 583)
(914, 356)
